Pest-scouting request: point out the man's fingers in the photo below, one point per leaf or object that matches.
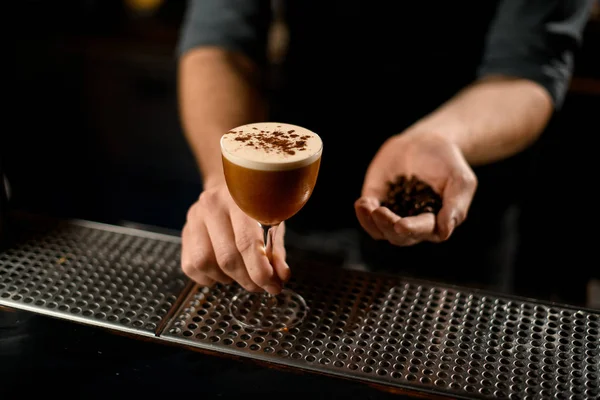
(421, 227)
(364, 208)
(250, 243)
(227, 254)
(281, 267)
(197, 257)
(457, 198)
(386, 221)
(279, 262)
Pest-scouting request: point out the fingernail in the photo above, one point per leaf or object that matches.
(372, 203)
(272, 289)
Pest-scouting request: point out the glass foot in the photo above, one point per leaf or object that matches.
(265, 312)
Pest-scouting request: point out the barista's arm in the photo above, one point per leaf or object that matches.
(222, 47)
(523, 78)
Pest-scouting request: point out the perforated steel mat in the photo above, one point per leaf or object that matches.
(103, 275)
(413, 336)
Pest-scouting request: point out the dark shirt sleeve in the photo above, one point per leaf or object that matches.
(236, 25)
(536, 40)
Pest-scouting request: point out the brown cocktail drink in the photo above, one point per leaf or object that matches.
(271, 169)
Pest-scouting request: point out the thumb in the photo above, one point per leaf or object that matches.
(456, 200)
(374, 190)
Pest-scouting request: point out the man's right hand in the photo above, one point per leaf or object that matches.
(220, 243)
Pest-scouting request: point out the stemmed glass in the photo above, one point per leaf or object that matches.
(271, 170)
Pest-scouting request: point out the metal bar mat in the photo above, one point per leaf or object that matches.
(414, 336)
(102, 275)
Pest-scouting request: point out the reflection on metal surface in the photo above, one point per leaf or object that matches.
(413, 336)
(92, 273)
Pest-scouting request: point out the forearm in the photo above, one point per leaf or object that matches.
(218, 91)
(492, 119)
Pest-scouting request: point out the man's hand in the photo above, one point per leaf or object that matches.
(219, 90)
(220, 243)
(432, 159)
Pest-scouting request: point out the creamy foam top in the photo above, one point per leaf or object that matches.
(271, 146)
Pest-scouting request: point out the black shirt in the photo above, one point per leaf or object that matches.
(533, 39)
(370, 68)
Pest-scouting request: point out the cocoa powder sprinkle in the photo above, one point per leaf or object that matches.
(275, 141)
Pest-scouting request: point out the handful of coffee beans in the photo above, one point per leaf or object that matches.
(407, 197)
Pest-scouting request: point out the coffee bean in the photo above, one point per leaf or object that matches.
(411, 196)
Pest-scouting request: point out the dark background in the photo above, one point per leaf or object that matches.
(93, 132)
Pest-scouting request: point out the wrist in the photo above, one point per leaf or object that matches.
(213, 180)
(451, 133)
(429, 135)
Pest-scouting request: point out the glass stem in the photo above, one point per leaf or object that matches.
(268, 237)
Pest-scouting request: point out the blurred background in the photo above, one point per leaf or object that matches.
(93, 132)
